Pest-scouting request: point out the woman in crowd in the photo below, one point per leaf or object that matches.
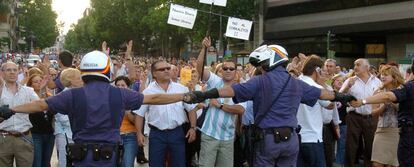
(384, 150)
(42, 130)
(70, 78)
(128, 130)
(337, 82)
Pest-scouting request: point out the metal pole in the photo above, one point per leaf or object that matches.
(207, 35)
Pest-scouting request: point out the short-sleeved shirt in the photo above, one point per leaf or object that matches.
(218, 123)
(167, 116)
(405, 98)
(97, 97)
(263, 90)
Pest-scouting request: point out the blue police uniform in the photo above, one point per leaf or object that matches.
(95, 112)
(405, 98)
(263, 90)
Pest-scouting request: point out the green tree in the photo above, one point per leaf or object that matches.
(39, 20)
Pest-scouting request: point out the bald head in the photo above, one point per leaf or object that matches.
(8, 64)
(361, 67)
(10, 71)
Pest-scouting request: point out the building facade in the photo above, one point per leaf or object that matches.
(380, 30)
(8, 25)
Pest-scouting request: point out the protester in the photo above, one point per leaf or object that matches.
(16, 142)
(360, 122)
(42, 130)
(218, 130)
(337, 82)
(167, 135)
(384, 149)
(70, 78)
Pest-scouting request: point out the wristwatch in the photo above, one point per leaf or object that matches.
(221, 106)
(364, 101)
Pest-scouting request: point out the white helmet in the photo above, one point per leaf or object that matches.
(96, 63)
(268, 56)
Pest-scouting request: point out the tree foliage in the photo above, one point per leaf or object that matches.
(39, 21)
(145, 22)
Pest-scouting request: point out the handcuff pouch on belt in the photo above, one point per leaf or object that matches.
(76, 152)
(281, 134)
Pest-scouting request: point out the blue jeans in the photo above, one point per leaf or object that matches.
(43, 149)
(340, 148)
(130, 143)
(161, 142)
(312, 155)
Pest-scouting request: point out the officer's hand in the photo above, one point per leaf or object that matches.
(141, 139)
(5, 112)
(194, 97)
(343, 98)
(191, 135)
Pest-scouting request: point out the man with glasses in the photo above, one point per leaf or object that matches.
(218, 130)
(167, 135)
(15, 139)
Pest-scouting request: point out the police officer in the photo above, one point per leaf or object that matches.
(95, 112)
(405, 97)
(276, 97)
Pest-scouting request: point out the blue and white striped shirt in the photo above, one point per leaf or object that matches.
(218, 123)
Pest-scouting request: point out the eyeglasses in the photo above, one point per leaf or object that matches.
(228, 68)
(164, 69)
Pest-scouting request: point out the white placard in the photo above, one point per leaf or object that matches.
(182, 16)
(216, 2)
(238, 28)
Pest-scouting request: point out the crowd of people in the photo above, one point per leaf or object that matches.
(217, 132)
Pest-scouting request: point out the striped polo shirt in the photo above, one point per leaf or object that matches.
(218, 123)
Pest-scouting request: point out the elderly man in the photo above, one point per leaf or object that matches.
(15, 138)
(360, 122)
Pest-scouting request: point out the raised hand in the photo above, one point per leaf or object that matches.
(206, 42)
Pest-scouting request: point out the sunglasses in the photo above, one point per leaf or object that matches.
(228, 68)
(163, 69)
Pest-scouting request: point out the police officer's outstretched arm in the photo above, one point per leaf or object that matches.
(164, 98)
(32, 107)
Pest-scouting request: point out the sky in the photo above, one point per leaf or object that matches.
(69, 11)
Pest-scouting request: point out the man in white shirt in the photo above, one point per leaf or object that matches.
(360, 122)
(310, 118)
(166, 135)
(15, 138)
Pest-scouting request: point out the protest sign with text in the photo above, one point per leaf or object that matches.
(182, 16)
(238, 28)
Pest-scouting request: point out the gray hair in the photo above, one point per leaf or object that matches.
(7, 63)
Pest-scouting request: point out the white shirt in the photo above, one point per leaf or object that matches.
(310, 118)
(362, 90)
(329, 115)
(167, 116)
(19, 122)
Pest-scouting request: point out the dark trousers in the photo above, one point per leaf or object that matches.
(269, 153)
(192, 148)
(161, 142)
(311, 155)
(406, 149)
(359, 125)
(328, 143)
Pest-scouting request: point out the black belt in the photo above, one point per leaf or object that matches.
(165, 130)
(273, 130)
(360, 115)
(15, 134)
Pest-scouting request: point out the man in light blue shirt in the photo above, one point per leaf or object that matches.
(218, 130)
